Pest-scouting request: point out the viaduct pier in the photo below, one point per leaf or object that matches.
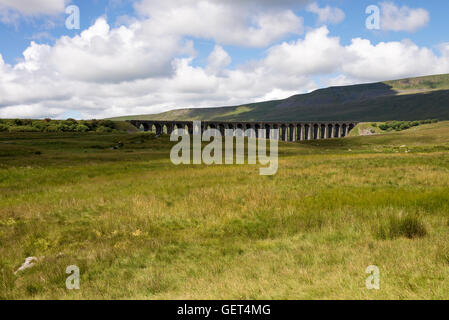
(287, 131)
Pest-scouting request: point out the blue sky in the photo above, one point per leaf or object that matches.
(17, 37)
(149, 56)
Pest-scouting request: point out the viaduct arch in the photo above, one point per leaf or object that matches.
(288, 131)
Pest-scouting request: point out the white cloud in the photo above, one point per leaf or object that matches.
(102, 54)
(328, 14)
(340, 80)
(139, 69)
(236, 23)
(218, 60)
(402, 19)
(12, 10)
(316, 54)
(388, 60)
(34, 7)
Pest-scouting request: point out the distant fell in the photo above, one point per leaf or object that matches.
(404, 99)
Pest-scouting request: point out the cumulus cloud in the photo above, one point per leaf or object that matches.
(362, 61)
(225, 22)
(34, 7)
(218, 60)
(12, 10)
(388, 60)
(328, 14)
(144, 67)
(317, 53)
(403, 18)
(102, 54)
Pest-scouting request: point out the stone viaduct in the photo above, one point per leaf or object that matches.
(288, 131)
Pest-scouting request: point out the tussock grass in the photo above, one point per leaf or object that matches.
(408, 226)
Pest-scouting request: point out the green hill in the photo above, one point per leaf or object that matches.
(405, 99)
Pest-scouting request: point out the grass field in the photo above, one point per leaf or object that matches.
(139, 227)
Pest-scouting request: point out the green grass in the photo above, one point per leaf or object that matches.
(140, 227)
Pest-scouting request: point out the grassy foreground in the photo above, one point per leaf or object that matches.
(139, 227)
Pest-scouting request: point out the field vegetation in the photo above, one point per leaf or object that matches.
(137, 226)
(69, 125)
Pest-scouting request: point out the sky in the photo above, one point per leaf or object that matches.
(102, 58)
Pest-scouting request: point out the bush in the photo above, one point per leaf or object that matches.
(94, 124)
(51, 128)
(103, 129)
(107, 123)
(374, 124)
(397, 226)
(63, 127)
(435, 120)
(72, 128)
(81, 128)
(70, 122)
(3, 127)
(40, 125)
(402, 125)
(23, 129)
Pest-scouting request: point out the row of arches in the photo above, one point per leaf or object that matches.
(284, 131)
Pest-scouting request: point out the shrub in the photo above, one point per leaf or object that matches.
(23, 129)
(81, 128)
(72, 128)
(94, 124)
(435, 120)
(63, 127)
(40, 125)
(3, 127)
(47, 120)
(51, 128)
(70, 122)
(409, 226)
(103, 129)
(401, 125)
(17, 122)
(107, 123)
(374, 124)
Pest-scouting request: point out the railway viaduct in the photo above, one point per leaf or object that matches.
(288, 131)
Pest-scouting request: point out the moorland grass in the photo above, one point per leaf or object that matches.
(139, 227)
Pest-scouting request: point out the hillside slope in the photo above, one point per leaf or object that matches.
(405, 99)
